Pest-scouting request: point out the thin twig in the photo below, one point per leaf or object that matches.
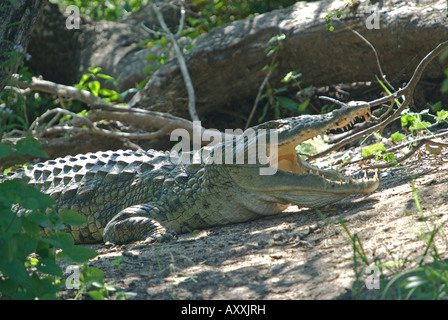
(376, 56)
(332, 100)
(183, 66)
(257, 99)
(58, 112)
(181, 20)
(149, 30)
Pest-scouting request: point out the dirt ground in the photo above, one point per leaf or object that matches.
(297, 255)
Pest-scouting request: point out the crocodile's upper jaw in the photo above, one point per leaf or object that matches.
(295, 180)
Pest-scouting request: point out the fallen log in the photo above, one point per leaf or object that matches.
(226, 64)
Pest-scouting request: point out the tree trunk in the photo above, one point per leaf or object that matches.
(17, 18)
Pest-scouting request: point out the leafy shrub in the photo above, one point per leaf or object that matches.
(28, 268)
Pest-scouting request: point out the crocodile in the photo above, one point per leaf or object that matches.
(140, 195)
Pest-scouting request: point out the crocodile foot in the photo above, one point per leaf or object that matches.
(136, 224)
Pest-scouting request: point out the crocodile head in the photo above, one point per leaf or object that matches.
(289, 179)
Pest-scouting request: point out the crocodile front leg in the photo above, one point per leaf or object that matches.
(136, 223)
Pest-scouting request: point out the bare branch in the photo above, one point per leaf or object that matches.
(56, 89)
(183, 13)
(257, 99)
(182, 64)
(163, 122)
(383, 77)
(149, 30)
(59, 112)
(342, 104)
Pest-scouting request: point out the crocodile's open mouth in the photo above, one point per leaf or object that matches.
(287, 178)
(287, 160)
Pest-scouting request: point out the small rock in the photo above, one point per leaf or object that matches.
(276, 255)
(303, 233)
(129, 254)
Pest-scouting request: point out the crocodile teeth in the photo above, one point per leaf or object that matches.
(322, 134)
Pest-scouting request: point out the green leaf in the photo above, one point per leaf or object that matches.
(114, 95)
(163, 41)
(10, 191)
(83, 80)
(81, 254)
(124, 295)
(94, 87)
(72, 218)
(265, 110)
(33, 199)
(15, 191)
(436, 106)
(34, 262)
(96, 295)
(15, 270)
(48, 266)
(104, 76)
(409, 118)
(77, 254)
(61, 240)
(5, 150)
(7, 286)
(36, 217)
(420, 125)
(25, 245)
(389, 157)
(304, 106)
(397, 136)
(270, 51)
(287, 103)
(30, 146)
(445, 86)
(94, 70)
(442, 115)
(292, 75)
(91, 274)
(374, 149)
(152, 57)
(31, 228)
